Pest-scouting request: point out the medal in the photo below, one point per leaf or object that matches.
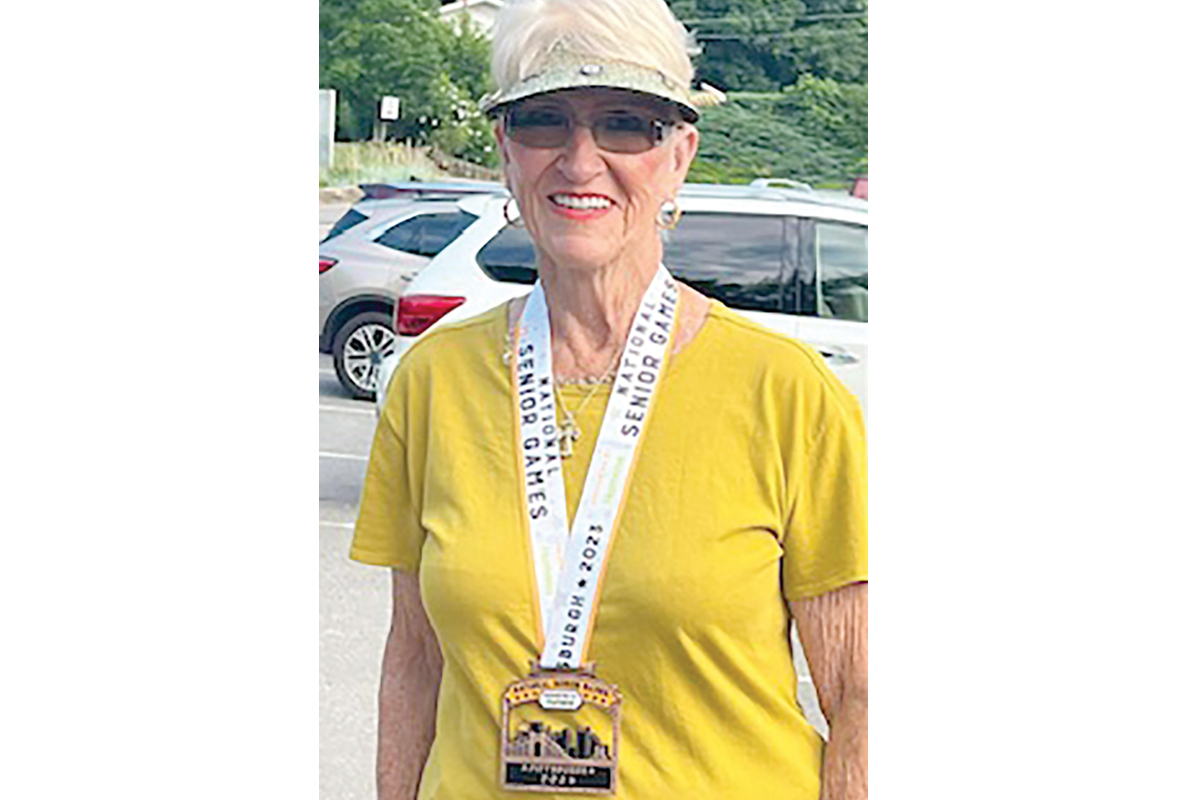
(579, 756)
(561, 724)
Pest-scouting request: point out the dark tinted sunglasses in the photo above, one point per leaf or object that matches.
(623, 131)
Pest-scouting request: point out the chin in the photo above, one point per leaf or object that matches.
(580, 252)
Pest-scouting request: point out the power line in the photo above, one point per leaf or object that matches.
(716, 37)
(803, 19)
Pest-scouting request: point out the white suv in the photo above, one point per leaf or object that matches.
(791, 259)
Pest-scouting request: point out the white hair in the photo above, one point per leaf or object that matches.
(643, 32)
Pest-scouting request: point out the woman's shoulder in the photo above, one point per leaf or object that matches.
(758, 352)
(757, 342)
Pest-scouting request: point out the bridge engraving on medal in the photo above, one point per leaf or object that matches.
(555, 752)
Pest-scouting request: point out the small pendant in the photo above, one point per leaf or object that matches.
(568, 432)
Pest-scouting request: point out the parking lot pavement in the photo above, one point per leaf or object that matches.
(344, 443)
(354, 619)
(346, 428)
(354, 599)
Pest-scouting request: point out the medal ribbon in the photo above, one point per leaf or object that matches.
(568, 569)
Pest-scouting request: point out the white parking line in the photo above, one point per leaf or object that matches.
(326, 524)
(326, 372)
(349, 456)
(348, 409)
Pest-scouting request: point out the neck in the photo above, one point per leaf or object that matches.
(591, 312)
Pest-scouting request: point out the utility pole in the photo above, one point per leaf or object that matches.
(328, 109)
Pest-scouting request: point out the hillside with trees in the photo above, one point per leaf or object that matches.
(795, 72)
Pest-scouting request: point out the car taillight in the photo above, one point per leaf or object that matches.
(416, 312)
(326, 263)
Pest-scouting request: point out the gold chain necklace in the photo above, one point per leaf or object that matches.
(570, 431)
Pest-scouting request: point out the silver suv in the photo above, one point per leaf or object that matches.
(367, 259)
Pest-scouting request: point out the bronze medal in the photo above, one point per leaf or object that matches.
(559, 733)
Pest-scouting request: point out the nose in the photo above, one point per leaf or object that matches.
(581, 158)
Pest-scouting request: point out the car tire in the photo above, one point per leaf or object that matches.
(358, 347)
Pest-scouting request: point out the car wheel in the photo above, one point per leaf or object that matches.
(358, 349)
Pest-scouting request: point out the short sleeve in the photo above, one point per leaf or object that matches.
(825, 536)
(388, 532)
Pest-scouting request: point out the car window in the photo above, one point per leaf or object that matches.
(426, 234)
(509, 257)
(403, 236)
(735, 258)
(442, 229)
(842, 271)
(345, 223)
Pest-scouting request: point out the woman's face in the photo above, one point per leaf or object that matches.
(584, 206)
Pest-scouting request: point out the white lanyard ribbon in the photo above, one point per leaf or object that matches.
(568, 569)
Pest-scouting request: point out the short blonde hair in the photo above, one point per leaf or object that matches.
(642, 32)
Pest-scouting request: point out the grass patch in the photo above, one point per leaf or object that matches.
(379, 162)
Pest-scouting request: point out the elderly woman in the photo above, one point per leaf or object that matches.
(600, 503)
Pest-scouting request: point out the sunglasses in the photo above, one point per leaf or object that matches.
(618, 131)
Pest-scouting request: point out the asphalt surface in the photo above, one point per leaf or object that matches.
(354, 610)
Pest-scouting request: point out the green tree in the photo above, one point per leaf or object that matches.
(739, 50)
(461, 129)
(764, 45)
(806, 63)
(468, 55)
(382, 47)
(835, 48)
(823, 108)
(373, 48)
(813, 132)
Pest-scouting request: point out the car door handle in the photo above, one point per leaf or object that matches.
(836, 359)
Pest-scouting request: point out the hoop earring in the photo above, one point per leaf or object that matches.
(508, 219)
(668, 215)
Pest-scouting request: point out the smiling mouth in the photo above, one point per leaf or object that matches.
(581, 202)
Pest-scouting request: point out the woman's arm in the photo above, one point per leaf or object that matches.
(833, 631)
(412, 673)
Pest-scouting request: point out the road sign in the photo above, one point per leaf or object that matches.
(389, 108)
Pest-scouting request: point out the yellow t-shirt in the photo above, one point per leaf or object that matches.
(750, 490)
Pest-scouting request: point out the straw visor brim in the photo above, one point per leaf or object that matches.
(582, 72)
